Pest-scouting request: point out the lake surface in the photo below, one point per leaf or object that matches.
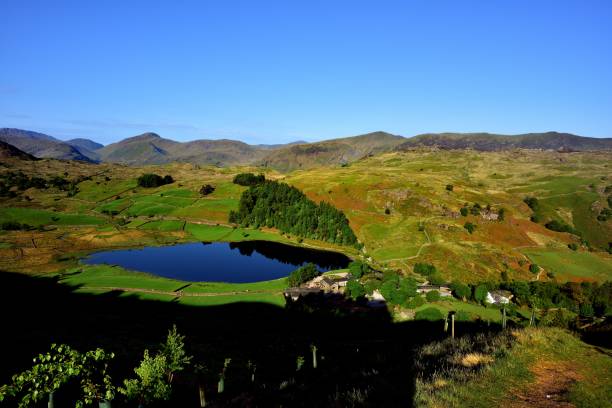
(235, 262)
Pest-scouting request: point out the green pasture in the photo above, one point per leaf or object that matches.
(572, 265)
(36, 217)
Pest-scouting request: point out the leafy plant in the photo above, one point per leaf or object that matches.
(174, 351)
(151, 383)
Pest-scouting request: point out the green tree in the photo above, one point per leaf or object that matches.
(460, 290)
(480, 293)
(469, 227)
(151, 383)
(358, 268)
(248, 179)
(302, 275)
(174, 352)
(463, 211)
(354, 289)
(424, 269)
(432, 296)
(533, 268)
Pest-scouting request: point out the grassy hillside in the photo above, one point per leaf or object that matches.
(400, 205)
(331, 152)
(401, 208)
(542, 367)
(494, 142)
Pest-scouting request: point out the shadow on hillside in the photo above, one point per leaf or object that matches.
(362, 355)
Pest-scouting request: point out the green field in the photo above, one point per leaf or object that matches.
(572, 265)
(104, 278)
(36, 217)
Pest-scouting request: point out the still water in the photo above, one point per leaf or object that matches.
(236, 262)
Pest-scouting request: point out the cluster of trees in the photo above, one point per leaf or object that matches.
(476, 208)
(278, 205)
(248, 179)
(11, 181)
(154, 180)
(586, 299)
(560, 226)
(302, 275)
(430, 272)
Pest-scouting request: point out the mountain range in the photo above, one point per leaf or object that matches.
(150, 148)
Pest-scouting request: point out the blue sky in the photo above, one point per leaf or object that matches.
(278, 71)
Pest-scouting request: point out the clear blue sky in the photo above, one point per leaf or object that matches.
(268, 72)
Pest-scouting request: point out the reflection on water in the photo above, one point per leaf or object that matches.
(236, 262)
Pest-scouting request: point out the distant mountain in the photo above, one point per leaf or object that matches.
(277, 146)
(86, 147)
(494, 142)
(87, 144)
(150, 148)
(8, 150)
(335, 151)
(41, 145)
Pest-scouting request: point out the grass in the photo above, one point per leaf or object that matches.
(99, 278)
(36, 217)
(571, 265)
(502, 370)
(475, 311)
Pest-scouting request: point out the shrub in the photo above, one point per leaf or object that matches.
(207, 189)
(414, 302)
(429, 313)
(432, 296)
(464, 211)
(475, 210)
(302, 275)
(449, 187)
(154, 180)
(532, 203)
(560, 226)
(14, 226)
(424, 269)
(469, 227)
(573, 246)
(387, 211)
(534, 268)
(501, 214)
(535, 218)
(248, 179)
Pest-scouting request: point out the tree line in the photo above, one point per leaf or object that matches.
(277, 205)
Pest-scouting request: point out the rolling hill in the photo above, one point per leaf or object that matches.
(331, 152)
(495, 142)
(150, 148)
(41, 145)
